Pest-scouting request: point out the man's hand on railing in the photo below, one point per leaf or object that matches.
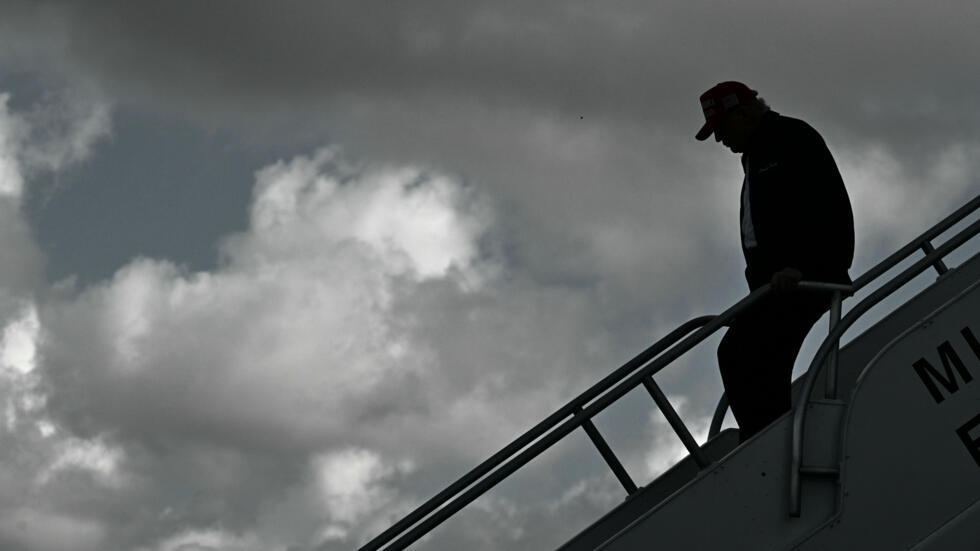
(786, 279)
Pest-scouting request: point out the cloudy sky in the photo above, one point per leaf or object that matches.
(272, 274)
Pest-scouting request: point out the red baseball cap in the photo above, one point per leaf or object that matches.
(720, 99)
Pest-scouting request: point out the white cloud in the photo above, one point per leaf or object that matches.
(11, 128)
(357, 329)
(210, 540)
(18, 347)
(355, 488)
(894, 202)
(666, 448)
(50, 136)
(292, 346)
(63, 130)
(295, 333)
(406, 216)
(94, 457)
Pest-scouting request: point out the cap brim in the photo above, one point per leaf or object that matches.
(705, 131)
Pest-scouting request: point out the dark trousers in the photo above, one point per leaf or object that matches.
(757, 353)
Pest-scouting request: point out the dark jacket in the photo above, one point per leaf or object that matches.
(801, 214)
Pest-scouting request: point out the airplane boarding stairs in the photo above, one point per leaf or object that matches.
(904, 469)
(884, 453)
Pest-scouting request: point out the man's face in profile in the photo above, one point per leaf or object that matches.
(733, 131)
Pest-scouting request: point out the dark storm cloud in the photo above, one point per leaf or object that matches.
(625, 59)
(502, 92)
(595, 99)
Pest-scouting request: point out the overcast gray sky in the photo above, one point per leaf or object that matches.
(272, 274)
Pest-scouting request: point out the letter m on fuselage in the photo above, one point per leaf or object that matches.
(952, 366)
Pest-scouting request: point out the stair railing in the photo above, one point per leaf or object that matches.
(576, 413)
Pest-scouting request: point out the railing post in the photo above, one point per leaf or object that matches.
(939, 265)
(606, 452)
(830, 391)
(676, 423)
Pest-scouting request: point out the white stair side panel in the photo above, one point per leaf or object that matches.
(912, 460)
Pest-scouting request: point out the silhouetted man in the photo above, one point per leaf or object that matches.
(796, 224)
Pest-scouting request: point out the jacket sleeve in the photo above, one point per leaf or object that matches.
(816, 225)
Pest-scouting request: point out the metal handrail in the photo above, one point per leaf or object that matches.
(565, 428)
(799, 416)
(571, 408)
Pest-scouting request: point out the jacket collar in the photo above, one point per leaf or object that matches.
(763, 132)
